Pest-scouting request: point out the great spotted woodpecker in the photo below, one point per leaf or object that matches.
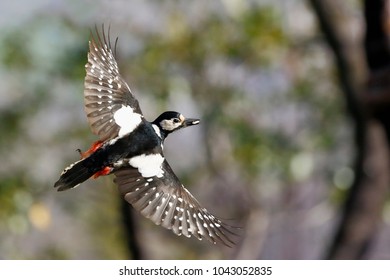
(131, 148)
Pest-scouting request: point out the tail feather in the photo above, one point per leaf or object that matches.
(74, 175)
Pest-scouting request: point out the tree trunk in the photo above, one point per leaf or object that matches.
(361, 214)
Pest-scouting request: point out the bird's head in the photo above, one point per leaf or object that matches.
(171, 121)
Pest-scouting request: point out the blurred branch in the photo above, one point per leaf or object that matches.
(363, 205)
(376, 41)
(377, 95)
(129, 230)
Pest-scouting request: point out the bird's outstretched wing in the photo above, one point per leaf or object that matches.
(105, 91)
(165, 201)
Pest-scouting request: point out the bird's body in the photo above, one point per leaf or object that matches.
(132, 148)
(142, 141)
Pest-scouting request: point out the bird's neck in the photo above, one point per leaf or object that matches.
(159, 131)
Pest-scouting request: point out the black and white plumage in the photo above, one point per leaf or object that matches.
(131, 148)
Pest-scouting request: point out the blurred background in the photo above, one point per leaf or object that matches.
(293, 99)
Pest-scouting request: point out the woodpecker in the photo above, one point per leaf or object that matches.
(131, 148)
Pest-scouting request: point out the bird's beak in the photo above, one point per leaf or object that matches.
(189, 122)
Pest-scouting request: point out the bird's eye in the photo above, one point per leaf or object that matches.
(176, 120)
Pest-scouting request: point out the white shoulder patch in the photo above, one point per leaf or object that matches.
(157, 130)
(148, 165)
(127, 120)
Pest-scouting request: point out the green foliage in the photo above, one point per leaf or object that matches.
(13, 51)
(8, 188)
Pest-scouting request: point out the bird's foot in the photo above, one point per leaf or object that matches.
(91, 150)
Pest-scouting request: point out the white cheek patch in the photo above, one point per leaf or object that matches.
(169, 125)
(148, 165)
(127, 120)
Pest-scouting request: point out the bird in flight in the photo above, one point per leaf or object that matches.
(131, 148)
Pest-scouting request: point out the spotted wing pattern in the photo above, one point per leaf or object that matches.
(105, 91)
(166, 202)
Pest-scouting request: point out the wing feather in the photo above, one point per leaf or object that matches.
(166, 202)
(105, 91)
